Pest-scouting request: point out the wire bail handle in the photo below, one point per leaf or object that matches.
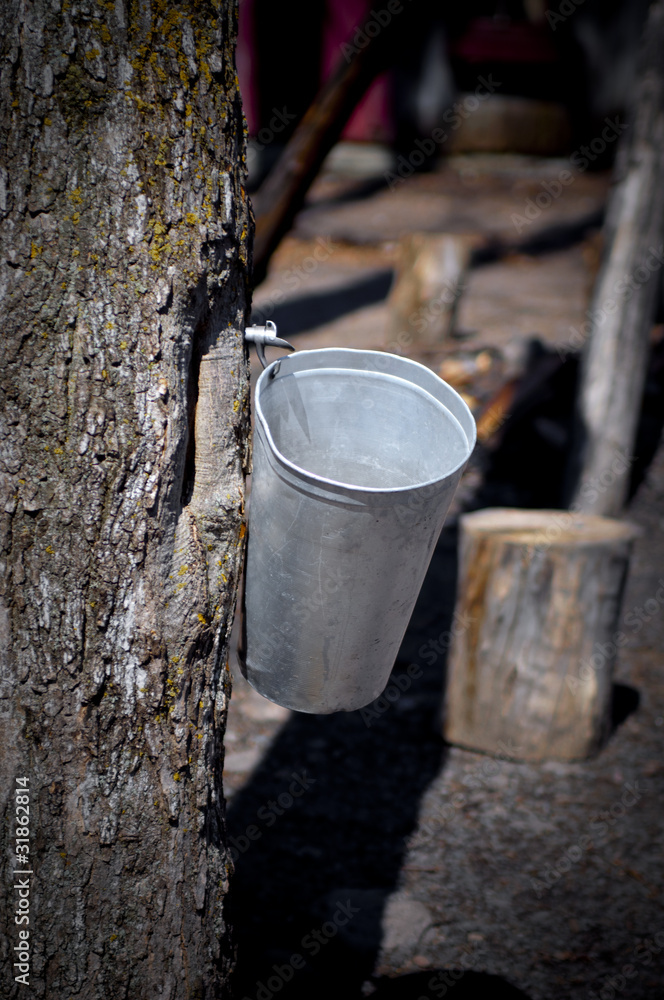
(262, 335)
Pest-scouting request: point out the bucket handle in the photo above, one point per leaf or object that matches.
(262, 335)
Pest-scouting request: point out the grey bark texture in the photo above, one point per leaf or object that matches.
(623, 307)
(124, 239)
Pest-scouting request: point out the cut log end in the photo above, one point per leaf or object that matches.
(539, 600)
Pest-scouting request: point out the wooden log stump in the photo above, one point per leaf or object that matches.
(538, 604)
(429, 280)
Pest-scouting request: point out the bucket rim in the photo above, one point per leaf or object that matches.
(269, 373)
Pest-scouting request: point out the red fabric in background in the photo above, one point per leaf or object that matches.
(372, 119)
(245, 62)
(488, 40)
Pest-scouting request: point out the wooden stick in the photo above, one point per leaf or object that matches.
(282, 194)
(623, 306)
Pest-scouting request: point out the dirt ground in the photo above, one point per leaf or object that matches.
(371, 857)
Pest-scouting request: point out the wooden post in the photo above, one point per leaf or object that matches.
(623, 306)
(430, 277)
(536, 632)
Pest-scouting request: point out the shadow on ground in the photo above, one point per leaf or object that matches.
(319, 832)
(306, 312)
(313, 880)
(439, 982)
(309, 311)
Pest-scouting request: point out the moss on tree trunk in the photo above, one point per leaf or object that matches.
(124, 237)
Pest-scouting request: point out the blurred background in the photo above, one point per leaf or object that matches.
(559, 73)
(451, 206)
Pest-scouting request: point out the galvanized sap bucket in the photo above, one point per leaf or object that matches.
(357, 455)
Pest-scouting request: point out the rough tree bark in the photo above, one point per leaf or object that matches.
(124, 236)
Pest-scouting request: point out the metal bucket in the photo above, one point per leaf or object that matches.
(357, 455)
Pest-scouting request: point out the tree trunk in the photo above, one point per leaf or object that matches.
(123, 443)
